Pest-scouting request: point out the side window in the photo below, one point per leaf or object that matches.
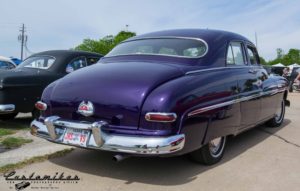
(252, 54)
(10, 66)
(6, 65)
(229, 59)
(167, 51)
(76, 64)
(235, 54)
(144, 50)
(92, 60)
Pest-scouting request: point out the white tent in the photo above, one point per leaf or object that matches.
(279, 65)
(293, 65)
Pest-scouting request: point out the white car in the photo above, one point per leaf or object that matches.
(6, 63)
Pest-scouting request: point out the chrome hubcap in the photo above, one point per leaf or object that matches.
(216, 146)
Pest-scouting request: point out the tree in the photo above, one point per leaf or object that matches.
(262, 61)
(293, 56)
(105, 44)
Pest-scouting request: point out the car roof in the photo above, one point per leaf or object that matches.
(58, 53)
(2, 58)
(204, 34)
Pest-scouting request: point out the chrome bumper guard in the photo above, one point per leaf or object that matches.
(53, 129)
(8, 108)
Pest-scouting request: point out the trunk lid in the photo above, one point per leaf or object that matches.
(117, 91)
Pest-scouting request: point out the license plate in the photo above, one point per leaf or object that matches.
(76, 137)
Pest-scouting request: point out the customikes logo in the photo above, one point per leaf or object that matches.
(39, 182)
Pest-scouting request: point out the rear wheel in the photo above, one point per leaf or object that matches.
(8, 116)
(277, 120)
(211, 153)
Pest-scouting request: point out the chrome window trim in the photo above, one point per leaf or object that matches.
(38, 56)
(168, 55)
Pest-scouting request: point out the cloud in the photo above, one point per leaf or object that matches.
(63, 24)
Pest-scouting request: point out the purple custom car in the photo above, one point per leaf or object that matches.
(163, 94)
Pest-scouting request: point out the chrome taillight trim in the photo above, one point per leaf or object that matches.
(174, 115)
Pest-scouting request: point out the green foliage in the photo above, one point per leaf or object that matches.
(293, 56)
(262, 61)
(105, 44)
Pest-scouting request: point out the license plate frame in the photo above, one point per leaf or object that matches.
(77, 137)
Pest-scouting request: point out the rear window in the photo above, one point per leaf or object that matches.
(38, 62)
(177, 47)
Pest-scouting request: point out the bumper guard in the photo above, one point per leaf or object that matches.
(54, 129)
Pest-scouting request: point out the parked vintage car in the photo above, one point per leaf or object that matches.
(21, 87)
(6, 63)
(163, 94)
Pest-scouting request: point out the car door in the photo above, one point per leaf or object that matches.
(263, 83)
(248, 86)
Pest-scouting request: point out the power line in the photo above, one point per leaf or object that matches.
(27, 49)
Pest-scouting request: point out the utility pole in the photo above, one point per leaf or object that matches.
(22, 38)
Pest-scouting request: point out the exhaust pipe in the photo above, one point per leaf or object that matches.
(119, 157)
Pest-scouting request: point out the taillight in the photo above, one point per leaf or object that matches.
(40, 106)
(160, 117)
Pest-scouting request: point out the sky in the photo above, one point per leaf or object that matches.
(63, 24)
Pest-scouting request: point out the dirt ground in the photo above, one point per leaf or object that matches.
(260, 159)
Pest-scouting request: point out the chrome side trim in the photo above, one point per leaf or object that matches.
(216, 68)
(8, 108)
(109, 142)
(227, 103)
(212, 107)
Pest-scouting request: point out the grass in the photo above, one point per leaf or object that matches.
(32, 160)
(4, 132)
(13, 142)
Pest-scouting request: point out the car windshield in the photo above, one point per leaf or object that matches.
(38, 62)
(6, 65)
(177, 47)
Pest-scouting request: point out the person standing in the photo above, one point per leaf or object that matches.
(286, 72)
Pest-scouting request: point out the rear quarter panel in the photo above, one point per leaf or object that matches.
(192, 92)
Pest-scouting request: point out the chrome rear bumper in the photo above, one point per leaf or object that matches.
(54, 129)
(7, 108)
